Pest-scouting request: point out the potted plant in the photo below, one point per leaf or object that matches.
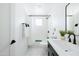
(62, 33)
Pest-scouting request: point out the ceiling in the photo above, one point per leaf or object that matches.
(41, 8)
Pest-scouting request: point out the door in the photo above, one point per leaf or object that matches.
(4, 29)
(39, 30)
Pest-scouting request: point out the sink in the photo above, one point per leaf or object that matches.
(65, 48)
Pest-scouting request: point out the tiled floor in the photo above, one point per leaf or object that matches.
(37, 51)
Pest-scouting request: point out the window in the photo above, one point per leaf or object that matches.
(38, 22)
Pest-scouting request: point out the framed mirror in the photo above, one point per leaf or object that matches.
(72, 17)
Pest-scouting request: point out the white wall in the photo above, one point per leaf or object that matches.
(57, 19)
(28, 29)
(4, 28)
(21, 43)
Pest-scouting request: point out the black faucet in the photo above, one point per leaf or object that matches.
(74, 40)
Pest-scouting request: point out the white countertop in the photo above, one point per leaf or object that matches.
(64, 48)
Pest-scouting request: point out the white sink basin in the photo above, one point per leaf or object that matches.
(64, 48)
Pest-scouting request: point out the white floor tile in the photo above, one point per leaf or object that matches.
(37, 50)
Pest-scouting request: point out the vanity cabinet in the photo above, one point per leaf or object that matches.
(51, 51)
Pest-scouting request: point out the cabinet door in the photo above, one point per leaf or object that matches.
(51, 51)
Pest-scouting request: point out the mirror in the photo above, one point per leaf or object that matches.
(72, 19)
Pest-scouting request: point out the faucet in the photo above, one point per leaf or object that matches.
(74, 40)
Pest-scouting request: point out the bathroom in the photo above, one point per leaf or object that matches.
(34, 29)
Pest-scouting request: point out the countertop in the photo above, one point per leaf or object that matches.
(64, 48)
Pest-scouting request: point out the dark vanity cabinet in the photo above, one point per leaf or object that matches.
(51, 51)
